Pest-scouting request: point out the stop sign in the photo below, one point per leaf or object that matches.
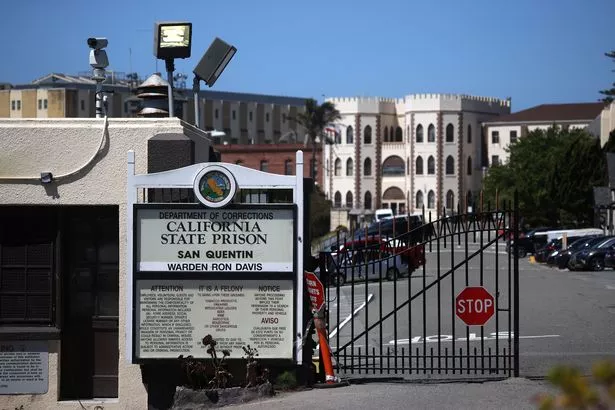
(474, 305)
(316, 290)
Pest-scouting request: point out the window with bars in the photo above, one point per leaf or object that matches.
(27, 268)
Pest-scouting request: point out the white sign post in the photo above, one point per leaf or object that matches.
(234, 271)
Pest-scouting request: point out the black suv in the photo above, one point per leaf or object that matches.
(527, 243)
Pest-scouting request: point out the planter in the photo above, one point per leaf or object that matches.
(188, 399)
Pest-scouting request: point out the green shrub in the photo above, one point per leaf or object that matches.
(579, 392)
(286, 381)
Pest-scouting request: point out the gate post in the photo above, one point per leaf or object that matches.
(516, 284)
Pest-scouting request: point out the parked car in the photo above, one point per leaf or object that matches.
(411, 254)
(350, 266)
(572, 243)
(592, 258)
(526, 243)
(406, 227)
(562, 259)
(609, 259)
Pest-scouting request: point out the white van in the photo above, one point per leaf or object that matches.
(384, 213)
(551, 235)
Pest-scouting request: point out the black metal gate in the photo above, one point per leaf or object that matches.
(392, 289)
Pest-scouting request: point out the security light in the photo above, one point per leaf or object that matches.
(46, 177)
(214, 61)
(210, 67)
(172, 40)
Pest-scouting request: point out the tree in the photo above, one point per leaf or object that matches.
(554, 172)
(315, 119)
(609, 93)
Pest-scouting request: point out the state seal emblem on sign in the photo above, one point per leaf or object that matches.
(215, 186)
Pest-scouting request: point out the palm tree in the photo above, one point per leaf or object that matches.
(315, 119)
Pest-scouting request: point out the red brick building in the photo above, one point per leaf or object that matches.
(274, 158)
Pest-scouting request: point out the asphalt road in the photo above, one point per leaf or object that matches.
(565, 317)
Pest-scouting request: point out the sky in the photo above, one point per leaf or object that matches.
(534, 51)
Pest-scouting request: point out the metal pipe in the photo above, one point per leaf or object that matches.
(196, 82)
(170, 66)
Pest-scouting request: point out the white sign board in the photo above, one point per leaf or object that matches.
(173, 316)
(24, 367)
(214, 240)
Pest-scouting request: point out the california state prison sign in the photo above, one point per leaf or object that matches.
(199, 239)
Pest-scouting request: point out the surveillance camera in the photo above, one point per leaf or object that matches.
(97, 43)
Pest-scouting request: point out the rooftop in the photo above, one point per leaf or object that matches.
(553, 113)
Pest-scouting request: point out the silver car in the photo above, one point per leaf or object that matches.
(364, 264)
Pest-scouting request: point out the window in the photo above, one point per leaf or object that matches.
(408, 166)
(431, 200)
(419, 165)
(349, 199)
(18, 105)
(27, 247)
(495, 160)
(367, 167)
(234, 115)
(450, 131)
(368, 200)
(349, 135)
(45, 103)
(337, 200)
(338, 167)
(284, 118)
(393, 166)
(12, 105)
(40, 104)
(431, 133)
(431, 165)
(338, 137)
(288, 167)
(264, 166)
(82, 105)
(399, 135)
(349, 167)
(450, 165)
(267, 117)
(419, 133)
(250, 115)
(408, 133)
(367, 135)
(495, 137)
(469, 171)
(450, 200)
(469, 134)
(419, 200)
(216, 113)
(386, 134)
(513, 137)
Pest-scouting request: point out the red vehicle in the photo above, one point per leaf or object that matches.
(412, 254)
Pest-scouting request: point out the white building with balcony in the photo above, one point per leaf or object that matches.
(420, 151)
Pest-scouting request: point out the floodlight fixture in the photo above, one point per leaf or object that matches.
(46, 178)
(212, 64)
(214, 61)
(172, 39)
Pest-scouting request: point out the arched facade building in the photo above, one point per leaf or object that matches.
(423, 150)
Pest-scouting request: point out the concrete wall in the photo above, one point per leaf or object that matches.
(62, 146)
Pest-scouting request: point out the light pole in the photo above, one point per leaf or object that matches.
(212, 64)
(172, 40)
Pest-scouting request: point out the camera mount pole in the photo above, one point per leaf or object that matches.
(99, 76)
(170, 66)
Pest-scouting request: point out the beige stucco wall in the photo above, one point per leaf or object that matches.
(60, 146)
